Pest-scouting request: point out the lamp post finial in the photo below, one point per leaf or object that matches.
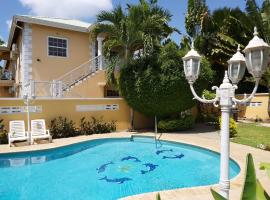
(255, 31)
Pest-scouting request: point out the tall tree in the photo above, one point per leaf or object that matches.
(140, 28)
(196, 12)
(225, 28)
(1, 42)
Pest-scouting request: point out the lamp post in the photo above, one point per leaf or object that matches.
(256, 60)
(28, 99)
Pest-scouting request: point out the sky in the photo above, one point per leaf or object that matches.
(86, 10)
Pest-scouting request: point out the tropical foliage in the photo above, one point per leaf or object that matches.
(62, 127)
(265, 166)
(3, 133)
(150, 70)
(196, 12)
(180, 123)
(252, 187)
(138, 28)
(158, 196)
(155, 85)
(96, 126)
(1, 42)
(223, 29)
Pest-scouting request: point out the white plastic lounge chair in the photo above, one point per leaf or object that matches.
(38, 130)
(17, 132)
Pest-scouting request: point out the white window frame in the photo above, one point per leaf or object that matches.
(62, 38)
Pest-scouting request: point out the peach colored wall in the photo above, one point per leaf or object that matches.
(49, 67)
(251, 112)
(67, 108)
(93, 87)
(4, 92)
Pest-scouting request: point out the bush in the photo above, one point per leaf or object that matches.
(206, 118)
(96, 126)
(3, 133)
(62, 127)
(155, 85)
(170, 125)
(233, 127)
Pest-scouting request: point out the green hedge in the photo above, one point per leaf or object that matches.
(181, 124)
(155, 85)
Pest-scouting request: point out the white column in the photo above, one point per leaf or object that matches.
(26, 56)
(225, 152)
(100, 52)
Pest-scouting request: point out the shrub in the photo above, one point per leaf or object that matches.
(3, 133)
(206, 118)
(233, 127)
(62, 127)
(180, 124)
(208, 94)
(96, 126)
(155, 85)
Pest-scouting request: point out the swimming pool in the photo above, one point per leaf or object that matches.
(107, 169)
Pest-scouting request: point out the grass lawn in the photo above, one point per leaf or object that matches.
(252, 134)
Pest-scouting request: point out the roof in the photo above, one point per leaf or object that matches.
(77, 25)
(69, 24)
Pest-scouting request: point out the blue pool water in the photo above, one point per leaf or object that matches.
(107, 169)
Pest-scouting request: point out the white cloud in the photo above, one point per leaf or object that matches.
(72, 9)
(8, 22)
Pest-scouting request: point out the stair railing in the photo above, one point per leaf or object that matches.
(81, 72)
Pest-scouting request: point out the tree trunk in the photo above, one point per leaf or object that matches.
(131, 119)
(269, 102)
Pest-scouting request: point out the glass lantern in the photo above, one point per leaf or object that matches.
(192, 65)
(257, 55)
(237, 67)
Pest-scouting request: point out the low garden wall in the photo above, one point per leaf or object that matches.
(256, 109)
(110, 109)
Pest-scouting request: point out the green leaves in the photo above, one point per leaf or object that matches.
(141, 26)
(155, 85)
(265, 166)
(216, 195)
(260, 192)
(252, 189)
(250, 184)
(158, 196)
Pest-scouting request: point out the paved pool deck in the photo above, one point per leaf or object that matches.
(204, 138)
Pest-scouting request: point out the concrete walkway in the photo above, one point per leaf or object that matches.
(204, 137)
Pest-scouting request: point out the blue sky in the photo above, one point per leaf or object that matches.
(86, 9)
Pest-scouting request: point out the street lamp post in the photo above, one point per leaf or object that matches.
(28, 100)
(256, 60)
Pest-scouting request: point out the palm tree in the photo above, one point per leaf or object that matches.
(1, 42)
(225, 28)
(140, 27)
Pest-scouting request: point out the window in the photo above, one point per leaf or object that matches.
(57, 47)
(112, 93)
(253, 104)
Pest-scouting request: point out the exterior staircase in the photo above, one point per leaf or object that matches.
(80, 73)
(66, 82)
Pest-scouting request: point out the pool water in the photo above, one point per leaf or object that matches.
(107, 169)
